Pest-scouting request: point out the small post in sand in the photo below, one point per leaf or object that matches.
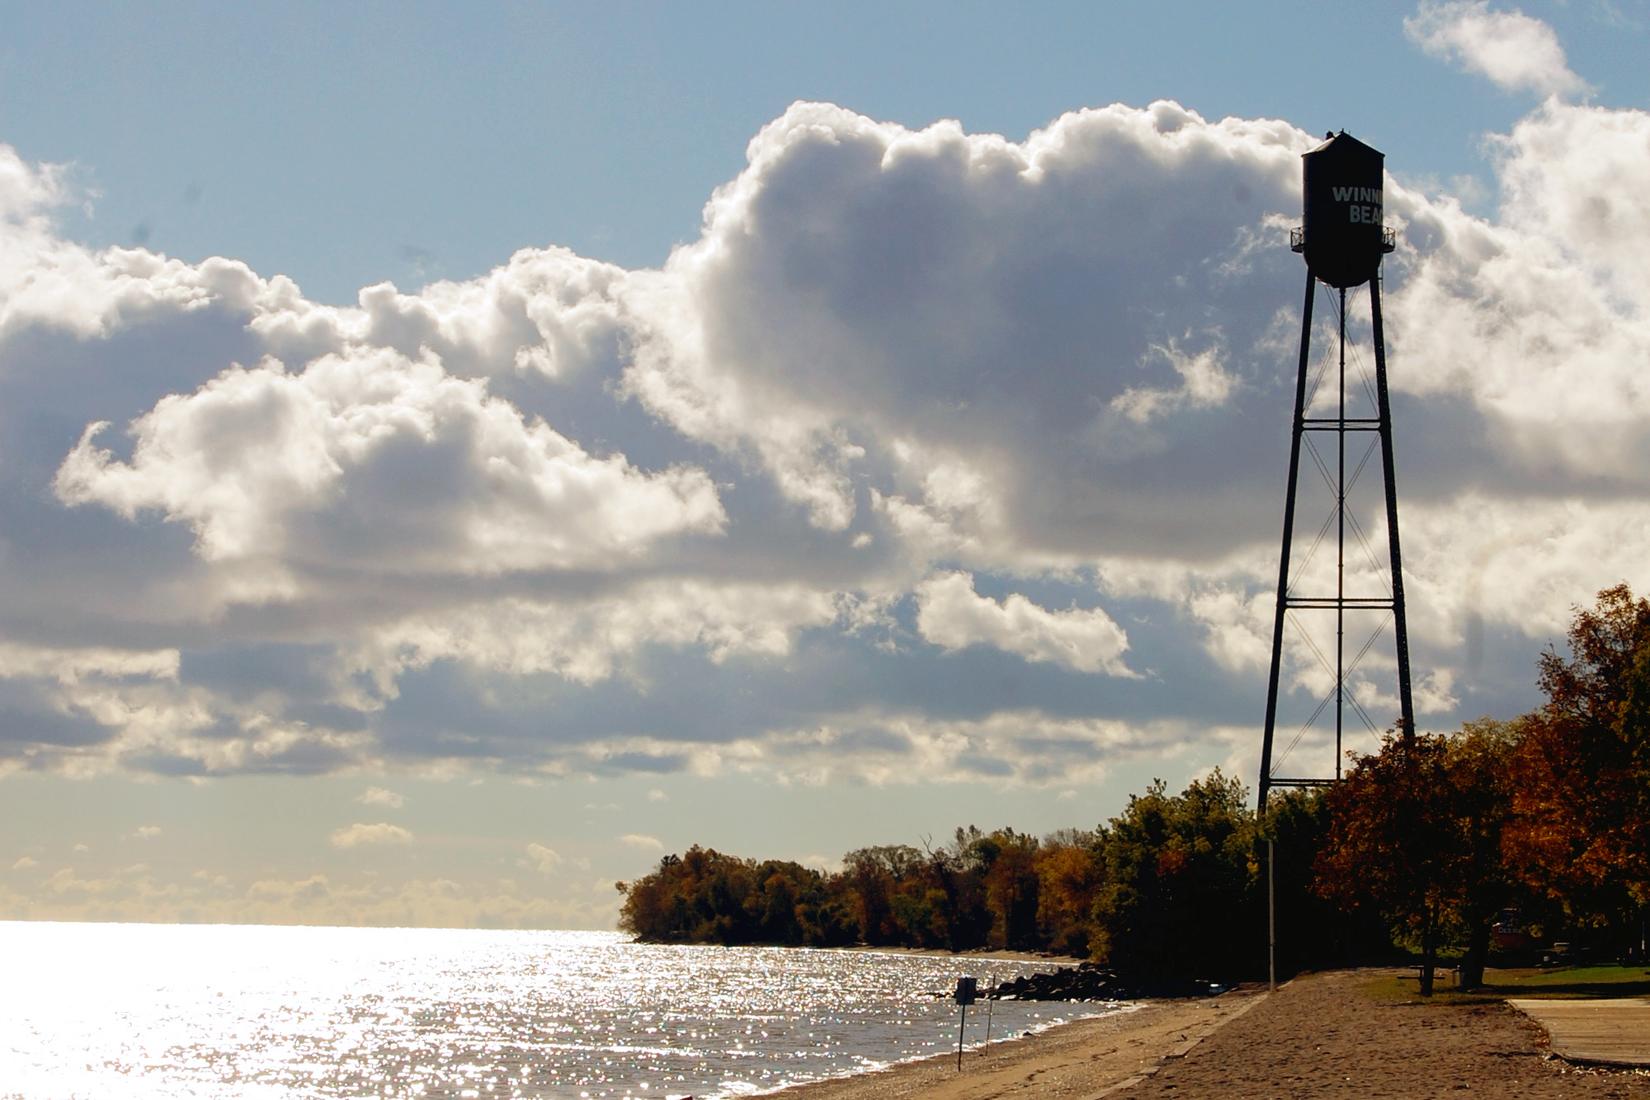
(1271, 916)
(990, 995)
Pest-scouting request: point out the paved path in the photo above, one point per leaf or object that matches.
(1612, 1032)
(1323, 1037)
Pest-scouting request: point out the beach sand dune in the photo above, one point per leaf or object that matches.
(1320, 1035)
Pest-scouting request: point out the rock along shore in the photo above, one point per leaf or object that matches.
(1093, 982)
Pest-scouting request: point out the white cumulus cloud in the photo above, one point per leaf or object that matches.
(1516, 51)
(381, 796)
(266, 464)
(361, 834)
(543, 859)
(871, 302)
(951, 614)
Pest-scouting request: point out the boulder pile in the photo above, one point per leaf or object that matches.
(1085, 982)
(1093, 982)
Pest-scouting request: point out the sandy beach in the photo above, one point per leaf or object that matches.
(1084, 1058)
(1320, 1035)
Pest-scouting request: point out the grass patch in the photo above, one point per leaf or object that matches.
(1406, 989)
(1557, 983)
(1571, 981)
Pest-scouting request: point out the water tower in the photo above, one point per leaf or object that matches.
(1343, 241)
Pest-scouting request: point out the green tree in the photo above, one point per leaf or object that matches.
(1312, 931)
(1006, 863)
(701, 896)
(1180, 899)
(786, 902)
(955, 873)
(872, 878)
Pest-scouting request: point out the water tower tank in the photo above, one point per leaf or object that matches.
(1343, 237)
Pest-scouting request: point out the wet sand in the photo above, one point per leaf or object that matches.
(1320, 1035)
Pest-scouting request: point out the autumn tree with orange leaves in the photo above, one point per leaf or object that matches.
(1392, 845)
(1581, 776)
(1439, 833)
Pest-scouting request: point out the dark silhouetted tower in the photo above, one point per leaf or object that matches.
(1343, 240)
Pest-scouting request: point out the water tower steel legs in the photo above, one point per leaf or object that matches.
(1399, 625)
(1288, 533)
(1340, 542)
(1340, 603)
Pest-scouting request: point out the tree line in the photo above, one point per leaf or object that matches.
(1541, 822)
(1141, 887)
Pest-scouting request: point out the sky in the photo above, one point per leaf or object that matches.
(450, 458)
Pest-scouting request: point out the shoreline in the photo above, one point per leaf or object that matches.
(1086, 1057)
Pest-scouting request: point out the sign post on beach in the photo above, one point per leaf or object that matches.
(990, 995)
(964, 996)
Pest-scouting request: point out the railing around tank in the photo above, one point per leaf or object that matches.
(1297, 239)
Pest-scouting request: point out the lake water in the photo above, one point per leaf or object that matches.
(113, 1010)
